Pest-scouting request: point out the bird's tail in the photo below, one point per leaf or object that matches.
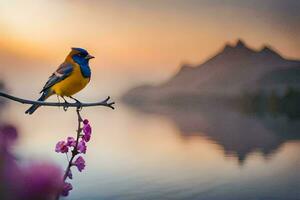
(44, 96)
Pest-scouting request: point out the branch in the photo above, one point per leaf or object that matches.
(74, 151)
(65, 104)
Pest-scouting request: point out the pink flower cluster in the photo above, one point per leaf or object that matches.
(35, 180)
(76, 147)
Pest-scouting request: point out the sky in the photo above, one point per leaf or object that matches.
(134, 41)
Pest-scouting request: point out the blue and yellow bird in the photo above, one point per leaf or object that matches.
(70, 77)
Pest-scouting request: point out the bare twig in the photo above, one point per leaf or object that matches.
(58, 104)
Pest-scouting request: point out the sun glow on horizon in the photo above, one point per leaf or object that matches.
(138, 41)
(135, 36)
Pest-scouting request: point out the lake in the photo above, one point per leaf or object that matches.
(207, 153)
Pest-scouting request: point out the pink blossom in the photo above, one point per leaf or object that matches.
(81, 147)
(87, 130)
(80, 163)
(8, 134)
(66, 189)
(71, 142)
(70, 175)
(85, 121)
(61, 147)
(30, 181)
(42, 181)
(86, 137)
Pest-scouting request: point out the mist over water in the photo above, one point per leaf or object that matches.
(165, 153)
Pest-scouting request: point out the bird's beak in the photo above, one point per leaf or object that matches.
(88, 57)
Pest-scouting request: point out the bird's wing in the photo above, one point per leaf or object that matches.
(63, 71)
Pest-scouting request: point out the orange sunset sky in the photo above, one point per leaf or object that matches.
(135, 41)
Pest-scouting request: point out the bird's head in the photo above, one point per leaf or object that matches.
(80, 55)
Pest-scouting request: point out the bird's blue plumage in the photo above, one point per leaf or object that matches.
(80, 50)
(84, 65)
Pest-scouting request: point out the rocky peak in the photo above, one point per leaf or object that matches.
(268, 50)
(239, 48)
(240, 44)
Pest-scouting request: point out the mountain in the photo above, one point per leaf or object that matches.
(235, 70)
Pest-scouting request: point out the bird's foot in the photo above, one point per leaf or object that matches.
(65, 106)
(66, 102)
(79, 108)
(77, 101)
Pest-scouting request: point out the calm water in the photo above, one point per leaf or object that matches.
(206, 153)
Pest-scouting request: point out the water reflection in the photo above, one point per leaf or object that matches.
(238, 133)
(170, 153)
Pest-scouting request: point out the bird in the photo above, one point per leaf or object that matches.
(70, 77)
